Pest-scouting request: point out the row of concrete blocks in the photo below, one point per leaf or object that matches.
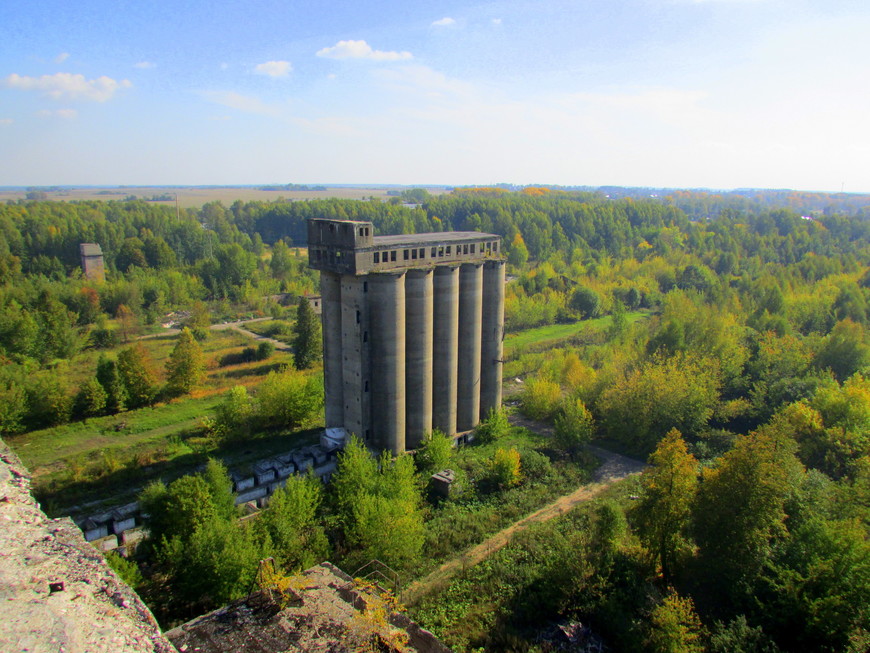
(114, 521)
(266, 471)
(267, 474)
(262, 493)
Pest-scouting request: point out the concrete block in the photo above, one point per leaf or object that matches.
(251, 495)
(124, 524)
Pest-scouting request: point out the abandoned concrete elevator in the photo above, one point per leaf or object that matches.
(412, 330)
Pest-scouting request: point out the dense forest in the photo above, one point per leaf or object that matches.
(725, 338)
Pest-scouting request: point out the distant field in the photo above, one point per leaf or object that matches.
(189, 197)
(553, 334)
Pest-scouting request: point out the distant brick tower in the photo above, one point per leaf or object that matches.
(92, 261)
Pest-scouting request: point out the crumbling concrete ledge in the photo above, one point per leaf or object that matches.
(57, 593)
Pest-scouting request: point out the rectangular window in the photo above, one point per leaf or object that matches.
(393, 256)
(361, 232)
(422, 252)
(495, 246)
(448, 250)
(432, 253)
(465, 249)
(405, 254)
(366, 286)
(377, 257)
(414, 254)
(472, 248)
(441, 252)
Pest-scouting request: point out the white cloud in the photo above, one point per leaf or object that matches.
(361, 50)
(63, 56)
(66, 114)
(66, 86)
(243, 103)
(444, 22)
(144, 65)
(496, 21)
(6, 121)
(224, 65)
(274, 68)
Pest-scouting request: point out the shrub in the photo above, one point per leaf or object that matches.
(541, 398)
(505, 468)
(494, 427)
(574, 424)
(264, 350)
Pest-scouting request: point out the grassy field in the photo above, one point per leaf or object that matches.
(100, 456)
(555, 334)
(196, 196)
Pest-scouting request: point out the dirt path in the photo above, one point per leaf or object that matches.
(614, 467)
(235, 326)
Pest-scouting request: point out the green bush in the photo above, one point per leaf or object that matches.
(493, 428)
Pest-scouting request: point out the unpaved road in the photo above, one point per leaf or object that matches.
(614, 467)
(235, 326)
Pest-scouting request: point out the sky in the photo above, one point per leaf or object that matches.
(714, 94)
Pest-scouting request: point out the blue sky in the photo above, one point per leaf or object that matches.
(679, 93)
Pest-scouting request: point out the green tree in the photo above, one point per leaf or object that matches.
(844, 351)
(737, 636)
(675, 627)
(185, 366)
(127, 569)
(13, 407)
(306, 336)
(540, 399)
(234, 414)
(110, 379)
(289, 399)
(663, 393)
(494, 427)
(281, 263)
(740, 510)
(587, 302)
(518, 255)
(815, 592)
(379, 505)
(210, 557)
(664, 512)
(291, 523)
(574, 425)
(134, 373)
(436, 452)
(48, 399)
(90, 400)
(505, 468)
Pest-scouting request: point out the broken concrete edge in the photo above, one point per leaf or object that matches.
(48, 560)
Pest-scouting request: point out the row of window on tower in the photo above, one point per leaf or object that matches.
(438, 251)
